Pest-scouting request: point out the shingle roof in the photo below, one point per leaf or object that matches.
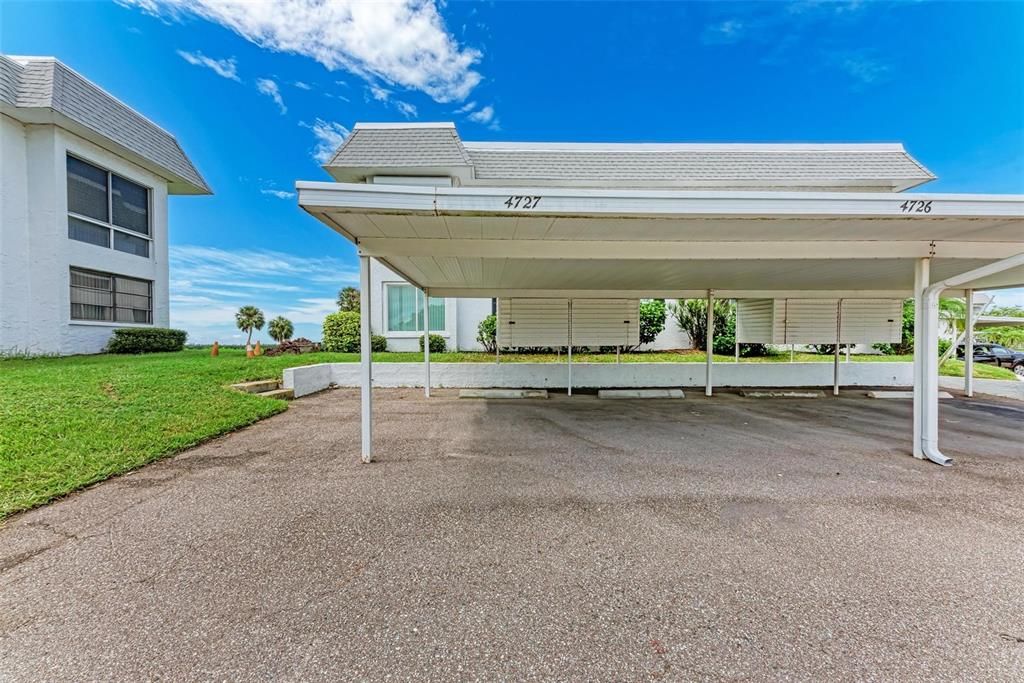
(377, 146)
(44, 82)
(430, 146)
(698, 164)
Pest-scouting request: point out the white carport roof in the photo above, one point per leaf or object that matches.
(582, 242)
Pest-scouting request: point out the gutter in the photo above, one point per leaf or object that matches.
(930, 306)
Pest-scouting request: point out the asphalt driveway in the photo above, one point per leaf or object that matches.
(564, 539)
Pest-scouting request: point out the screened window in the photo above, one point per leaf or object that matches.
(110, 298)
(107, 210)
(405, 310)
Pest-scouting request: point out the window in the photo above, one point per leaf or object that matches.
(110, 298)
(405, 310)
(107, 210)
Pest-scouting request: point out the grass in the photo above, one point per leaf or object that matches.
(68, 422)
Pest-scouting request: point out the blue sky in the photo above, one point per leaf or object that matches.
(257, 92)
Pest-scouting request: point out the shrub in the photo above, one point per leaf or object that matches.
(146, 340)
(944, 345)
(378, 343)
(341, 332)
(652, 319)
(487, 333)
(281, 329)
(691, 316)
(437, 343)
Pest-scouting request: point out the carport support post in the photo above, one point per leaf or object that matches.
(426, 342)
(835, 359)
(921, 279)
(969, 346)
(709, 342)
(570, 349)
(366, 360)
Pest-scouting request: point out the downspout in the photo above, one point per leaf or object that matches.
(930, 307)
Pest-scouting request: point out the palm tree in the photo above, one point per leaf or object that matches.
(280, 329)
(954, 313)
(348, 299)
(249, 318)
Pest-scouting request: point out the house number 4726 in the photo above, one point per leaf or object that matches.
(916, 206)
(522, 202)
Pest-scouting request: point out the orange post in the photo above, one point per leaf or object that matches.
(215, 349)
(248, 351)
(259, 349)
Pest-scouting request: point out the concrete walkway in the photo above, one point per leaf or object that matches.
(568, 539)
(1005, 388)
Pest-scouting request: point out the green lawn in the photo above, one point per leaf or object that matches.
(68, 422)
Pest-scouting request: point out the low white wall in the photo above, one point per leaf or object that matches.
(312, 378)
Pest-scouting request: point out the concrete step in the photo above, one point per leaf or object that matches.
(503, 393)
(284, 394)
(902, 394)
(257, 387)
(640, 393)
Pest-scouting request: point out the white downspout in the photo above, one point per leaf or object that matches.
(921, 275)
(930, 416)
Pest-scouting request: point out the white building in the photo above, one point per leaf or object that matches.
(83, 211)
(433, 154)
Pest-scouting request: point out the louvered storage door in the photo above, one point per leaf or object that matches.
(811, 321)
(533, 322)
(871, 321)
(755, 322)
(605, 322)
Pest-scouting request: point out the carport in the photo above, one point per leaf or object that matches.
(583, 243)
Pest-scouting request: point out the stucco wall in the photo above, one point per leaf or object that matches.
(308, 379)
(37, 254)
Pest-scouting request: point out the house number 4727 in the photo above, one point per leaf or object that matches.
(522, 202)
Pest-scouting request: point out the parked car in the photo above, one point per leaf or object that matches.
(996, 355)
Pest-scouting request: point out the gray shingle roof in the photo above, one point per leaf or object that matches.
(698, 164)
(401, 147)
(428, 147)
(43, 82)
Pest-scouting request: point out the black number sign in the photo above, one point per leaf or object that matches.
(522, 202)
(916, 206)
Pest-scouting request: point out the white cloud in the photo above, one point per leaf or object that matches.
(329, 135)
(280, 194)
(407, 110)
(728, 31)
(378, 93)
(302, 86)
(404, 43)
(864, 69)
(227, 68)
(270, 89)
(466, 108)
(484, 115)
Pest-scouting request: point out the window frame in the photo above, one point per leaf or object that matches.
(110, 226)
(419, 323)
(113, 298)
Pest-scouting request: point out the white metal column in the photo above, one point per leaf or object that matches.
(366, 360)
(921, 275)
(709, 343)
(969, 346)
(426, 342)
(835, 359)
(570, 348)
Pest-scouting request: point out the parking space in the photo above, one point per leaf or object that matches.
(564, 538)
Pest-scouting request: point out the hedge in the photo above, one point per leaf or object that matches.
(342, 334)
(146, 340)
(437, 343)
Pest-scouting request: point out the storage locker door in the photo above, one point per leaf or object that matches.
(605, 322)
(872, 321)
(754, 321)
(533, 322)
(811, 321)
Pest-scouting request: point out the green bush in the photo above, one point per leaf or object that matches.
(146, 340)
(341, 332)
(487, 333)
(437, 343)
(378, 342)
(944, 345)
(652, 320)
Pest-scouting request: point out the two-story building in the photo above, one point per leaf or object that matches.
(84, 181)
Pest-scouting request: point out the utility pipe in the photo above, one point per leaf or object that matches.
(930, 397)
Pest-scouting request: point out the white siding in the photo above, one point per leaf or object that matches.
(871, 321)
(814, 321)
(605, 322)
(533, 322)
